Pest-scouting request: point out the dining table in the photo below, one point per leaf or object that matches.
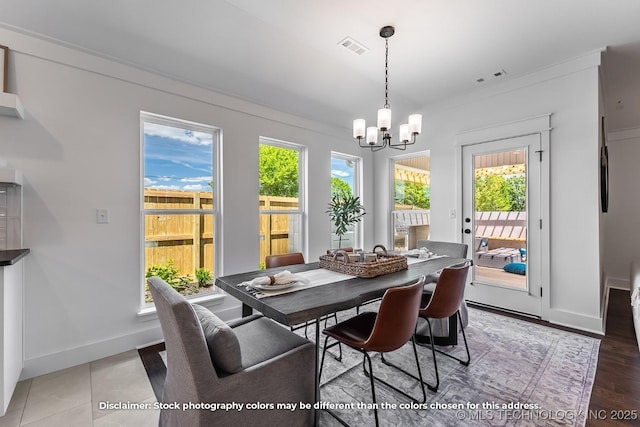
(312, 303)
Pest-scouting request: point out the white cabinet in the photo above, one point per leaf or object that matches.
(10, 105)
(11, 331)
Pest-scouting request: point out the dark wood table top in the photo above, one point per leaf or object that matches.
(309, 304)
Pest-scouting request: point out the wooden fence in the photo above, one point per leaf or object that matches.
(187, 239)
(275, 233)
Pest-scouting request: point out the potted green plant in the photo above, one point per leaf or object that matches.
(344, 211)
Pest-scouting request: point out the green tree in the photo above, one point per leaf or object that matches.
(517, 191)
(496, 193)
(278, 171)
(340, 187)
(412, 193)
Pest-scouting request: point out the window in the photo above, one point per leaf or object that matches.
(179, 204)
(411, 200)
(281, 198)
(345, 179)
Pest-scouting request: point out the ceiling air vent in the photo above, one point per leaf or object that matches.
(499, 73)
(354, 46)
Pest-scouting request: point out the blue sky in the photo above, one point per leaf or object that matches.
(341, 169)
(179, 159)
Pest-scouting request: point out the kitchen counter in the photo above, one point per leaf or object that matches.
(10, 257)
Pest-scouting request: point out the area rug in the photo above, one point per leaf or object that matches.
(521, 374)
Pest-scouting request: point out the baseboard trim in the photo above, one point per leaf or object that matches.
(593, 324)
(98, 350)
(622, 284)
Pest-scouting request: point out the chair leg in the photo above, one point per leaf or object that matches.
(418, 378)
(339, 344)
(464, 337)
(373, 390)
(324, 351)
(433, 388)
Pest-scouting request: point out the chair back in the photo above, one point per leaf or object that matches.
(452, 249)
(448, 293)
(190, 371)
(397, 318)
(281, 260)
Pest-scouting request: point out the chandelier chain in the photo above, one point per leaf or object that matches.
(386, 73)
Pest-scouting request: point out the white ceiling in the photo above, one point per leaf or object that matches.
(285, 53)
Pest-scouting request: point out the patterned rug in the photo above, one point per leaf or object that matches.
(521, 374)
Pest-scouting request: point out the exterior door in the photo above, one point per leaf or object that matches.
(501, 222)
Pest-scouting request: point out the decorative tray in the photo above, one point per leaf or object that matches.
(384, 263)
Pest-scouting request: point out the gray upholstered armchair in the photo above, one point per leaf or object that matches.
(440, 327)
(247, 361)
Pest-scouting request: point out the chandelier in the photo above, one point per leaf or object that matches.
(408, 131)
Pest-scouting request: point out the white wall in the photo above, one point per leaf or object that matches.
(569, 92)
(79, 149)
(622, 237)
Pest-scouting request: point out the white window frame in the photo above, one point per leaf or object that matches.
(147, 117)
(357, 191)
(302, 186)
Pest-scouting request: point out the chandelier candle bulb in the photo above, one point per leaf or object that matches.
(415, 123)
(359, 126)
(384, 119)
(372, 135)
(404, 132)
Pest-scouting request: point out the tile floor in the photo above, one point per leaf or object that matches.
(72, 397)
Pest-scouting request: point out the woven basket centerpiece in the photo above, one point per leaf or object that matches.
(384, 263)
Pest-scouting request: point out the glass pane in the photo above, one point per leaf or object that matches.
(500, 200)
(343, 173)
(278, 173)
(179, 248)
(412, 201)
(178, 165)
(280, 234)
(342, 176)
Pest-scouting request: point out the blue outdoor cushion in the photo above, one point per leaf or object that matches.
(516, 267)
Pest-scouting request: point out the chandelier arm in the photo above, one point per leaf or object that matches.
(404, 144)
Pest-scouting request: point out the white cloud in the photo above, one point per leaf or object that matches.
(206, 179)
(188, 136)
(165, 187)
(341, 174)
(196, 187)
(148, 182)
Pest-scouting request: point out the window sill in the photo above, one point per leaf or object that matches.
(216, 298)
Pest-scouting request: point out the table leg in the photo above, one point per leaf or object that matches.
(246, 310)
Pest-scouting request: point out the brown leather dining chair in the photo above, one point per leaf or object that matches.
(281, 260)
(447, 297)
(385, 331)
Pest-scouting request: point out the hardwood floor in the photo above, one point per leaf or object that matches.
(617, 384)
(616, 390)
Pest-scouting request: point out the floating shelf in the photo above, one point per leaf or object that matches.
(10, 105)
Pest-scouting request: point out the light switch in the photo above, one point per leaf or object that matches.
(102, 216)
